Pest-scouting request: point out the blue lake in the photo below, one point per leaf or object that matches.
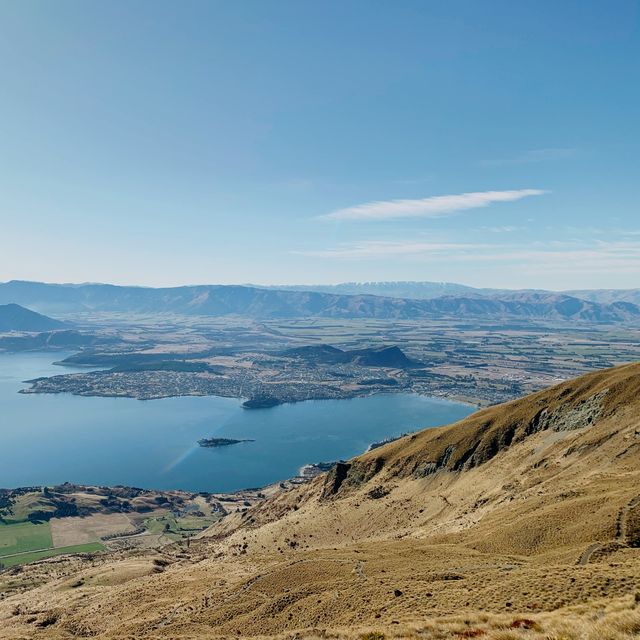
(48, 439)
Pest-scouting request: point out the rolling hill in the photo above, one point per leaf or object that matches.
(520, 521)
(46, 340)
(372, 357)
(261, 304)
(13, 317)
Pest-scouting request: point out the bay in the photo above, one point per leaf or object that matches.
(49, 439)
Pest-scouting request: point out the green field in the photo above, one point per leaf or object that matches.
(165, 525)
(22, 541)
(195, 523)
(176, 529)
(32, 556)
(22, 537)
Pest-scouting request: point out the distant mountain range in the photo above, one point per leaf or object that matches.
(266, 303)
(608, 296)
(400, 289)
(428, 290)
(13, 317)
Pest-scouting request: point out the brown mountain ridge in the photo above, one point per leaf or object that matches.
(521, 521)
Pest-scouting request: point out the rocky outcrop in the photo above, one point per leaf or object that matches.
(570, 418)
(345, 476)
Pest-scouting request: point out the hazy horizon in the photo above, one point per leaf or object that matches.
(275, 285)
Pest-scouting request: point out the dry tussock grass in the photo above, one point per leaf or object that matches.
(613, 620)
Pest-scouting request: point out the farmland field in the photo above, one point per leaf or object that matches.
(23, 536)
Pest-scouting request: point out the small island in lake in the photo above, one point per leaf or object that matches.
(220, 442)
(261, 402)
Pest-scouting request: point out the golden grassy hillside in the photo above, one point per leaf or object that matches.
(521, 521)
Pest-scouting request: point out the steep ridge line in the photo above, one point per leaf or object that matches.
(570, 410)
(476, 439)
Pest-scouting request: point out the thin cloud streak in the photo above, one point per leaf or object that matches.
(377, 249)
(433, 207)
(621, 257)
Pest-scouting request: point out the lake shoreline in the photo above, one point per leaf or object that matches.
(107, 441)
(246, 403)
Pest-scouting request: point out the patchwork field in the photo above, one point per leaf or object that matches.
(37, 523)
(74, 531)
(23, 536)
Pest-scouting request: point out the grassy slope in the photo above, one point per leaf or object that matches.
(32, 556)
(26, 504)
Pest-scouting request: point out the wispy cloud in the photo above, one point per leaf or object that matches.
(503, 229)
(368, 249)
(615, 257)
(434, 207)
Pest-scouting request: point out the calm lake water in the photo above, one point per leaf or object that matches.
(48, 439)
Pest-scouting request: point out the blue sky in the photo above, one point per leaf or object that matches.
(492, 143)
